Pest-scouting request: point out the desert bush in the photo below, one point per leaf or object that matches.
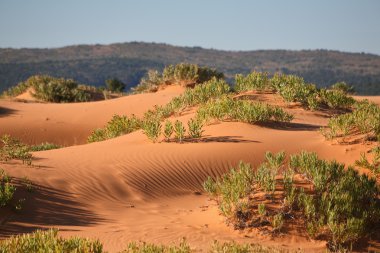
(117, 126)
(195, 128)
(182, 73)
(152, 129)
(373, 165)
(7, 189)
(364, 119)
(11, 148)
(115, 85)
(149, 83)
(48, 241)
(44, 146)
(336, 202)
(227, 108)
(343, 87)
(57, 90)
(336, 99)
(253, 81)
(233, 247)
(168, 130)
(179, 131)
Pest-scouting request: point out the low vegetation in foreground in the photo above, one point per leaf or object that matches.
(331, 202)
(49, 241)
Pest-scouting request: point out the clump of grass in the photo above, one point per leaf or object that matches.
(11, 148)
(49, 241)
(332, 201)
(44, 146)
(233, 247)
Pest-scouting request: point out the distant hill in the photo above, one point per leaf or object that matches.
(93, 64)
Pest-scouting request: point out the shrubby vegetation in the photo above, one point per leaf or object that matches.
(331, 201)
(294, 89)
(49, 241)
(374, 164)
(183, 74)
(115, 85)
(117, 126)
(227, 108)
(363, 120)
(44, 146)
(51, 89)
(11, 148)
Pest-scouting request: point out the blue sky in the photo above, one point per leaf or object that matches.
(345, 25)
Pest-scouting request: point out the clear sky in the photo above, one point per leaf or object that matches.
(345, 25)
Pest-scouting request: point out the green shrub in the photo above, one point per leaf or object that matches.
(168, 130)
(48, 241)
(152, 129)
(149, 83)
(233, 247)
(374, 165)
(44, 146)
(57, 90)
(115, 85)
(364, 119)
(227, 108)
(253, 81)
(179, 131)
(117, 126)
(343, 87)
(332, 201)
(16, 90)
(336, 99)
(6, 193)
(11, 148)
(182, 73)
(195, 128)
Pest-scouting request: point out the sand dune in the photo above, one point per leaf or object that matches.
(128, 188)
(71, 124)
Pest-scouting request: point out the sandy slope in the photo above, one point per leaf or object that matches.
(70, 124)
(130, 189)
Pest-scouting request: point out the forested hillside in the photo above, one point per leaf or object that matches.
(93, 64)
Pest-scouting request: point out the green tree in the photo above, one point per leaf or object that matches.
(115, 85)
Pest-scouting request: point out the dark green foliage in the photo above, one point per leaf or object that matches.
(115, 85)
(130, 61)
(11, 148)
(117, 126)
(48, 241)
